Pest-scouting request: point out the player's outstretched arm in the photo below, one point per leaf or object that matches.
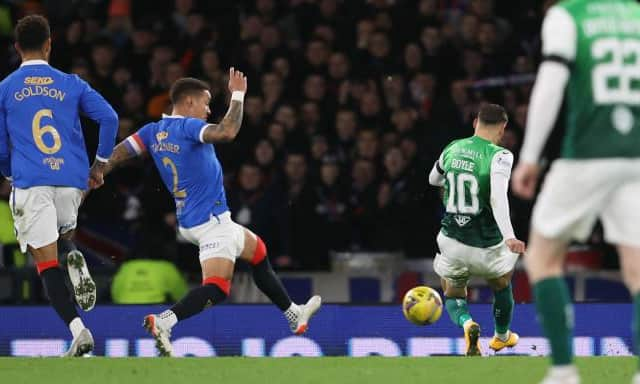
(5, 154)
(121, 153)
(229, 127)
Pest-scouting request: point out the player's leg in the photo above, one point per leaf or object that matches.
(620, 221)
(544, 263)
(573, 195)
(455, 302)
(630, 266)
(67, 202)
(35, 220)
(255, 253)
(502, 313)
(217, 273)
(46, 259)
(451, 264)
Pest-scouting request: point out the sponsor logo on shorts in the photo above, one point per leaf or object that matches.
(209, 246)
(462, 220)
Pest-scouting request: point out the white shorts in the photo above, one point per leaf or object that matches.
(578, 192)
(41, 213)
(218, 237)
(458, 262)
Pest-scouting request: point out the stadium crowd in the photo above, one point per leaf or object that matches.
(349, 104)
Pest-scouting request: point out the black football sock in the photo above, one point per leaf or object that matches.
(197, 300)
(58, 293)
(269, 283)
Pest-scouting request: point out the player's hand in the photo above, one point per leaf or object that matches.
(515, 245)
(96, 175)
(525, 180)
(237, 81)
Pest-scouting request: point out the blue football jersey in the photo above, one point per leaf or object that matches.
(41, 141)
(188, 167)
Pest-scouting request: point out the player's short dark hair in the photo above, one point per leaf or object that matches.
(187, 86)
(31, 32)
(491, 114)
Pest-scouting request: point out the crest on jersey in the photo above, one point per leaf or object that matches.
(462, 220)
(162, 135)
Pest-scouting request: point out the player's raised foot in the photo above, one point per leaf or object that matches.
(498, 344)
(472, 339)
(562, 375)
(300, 323)
(83, 286)
(636, 378)
(161, 334)
(80, 345)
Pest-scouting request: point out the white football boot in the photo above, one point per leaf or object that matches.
(81, 345)
(161, 334)
(636, 378)
(564, 375)
(299, 320)
(83, 286)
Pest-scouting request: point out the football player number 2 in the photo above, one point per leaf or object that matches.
(39, 132)
(168, 163)
(457, 201)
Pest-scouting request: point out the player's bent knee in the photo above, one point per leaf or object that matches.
(222, 284)
(260, 253)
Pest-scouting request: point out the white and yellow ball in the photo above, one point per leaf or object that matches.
(422, 305)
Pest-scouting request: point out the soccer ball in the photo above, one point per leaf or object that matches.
(422, 305)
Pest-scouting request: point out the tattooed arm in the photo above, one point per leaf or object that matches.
(229, 127)
(129, 148)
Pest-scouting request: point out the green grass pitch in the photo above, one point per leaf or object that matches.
(367, 370)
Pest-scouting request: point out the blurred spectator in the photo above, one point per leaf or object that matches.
(353, 80)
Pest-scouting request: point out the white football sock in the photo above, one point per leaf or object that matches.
(168, 319)
(563, 370)
(502, 336)
(76, 326)
(292, 312)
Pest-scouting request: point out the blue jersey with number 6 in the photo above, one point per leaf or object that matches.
(189, 167)
(41, 141)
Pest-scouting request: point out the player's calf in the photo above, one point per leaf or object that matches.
(268, 282)
(56, 289)
(214, 290)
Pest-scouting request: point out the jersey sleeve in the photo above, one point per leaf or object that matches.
(500, 173)
(98, 109)
(436, 176)
(5, 147)
(194, 129)
(137, 143)
(559, 35)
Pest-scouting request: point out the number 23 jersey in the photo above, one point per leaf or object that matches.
(189, 168)
(40, 126)
(599, 41)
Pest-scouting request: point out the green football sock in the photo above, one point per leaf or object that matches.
(503, 309)
(555, 313)
(636, 324)
(457, 310)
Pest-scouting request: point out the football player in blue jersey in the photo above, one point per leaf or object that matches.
(42, 150)
(181, 147)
